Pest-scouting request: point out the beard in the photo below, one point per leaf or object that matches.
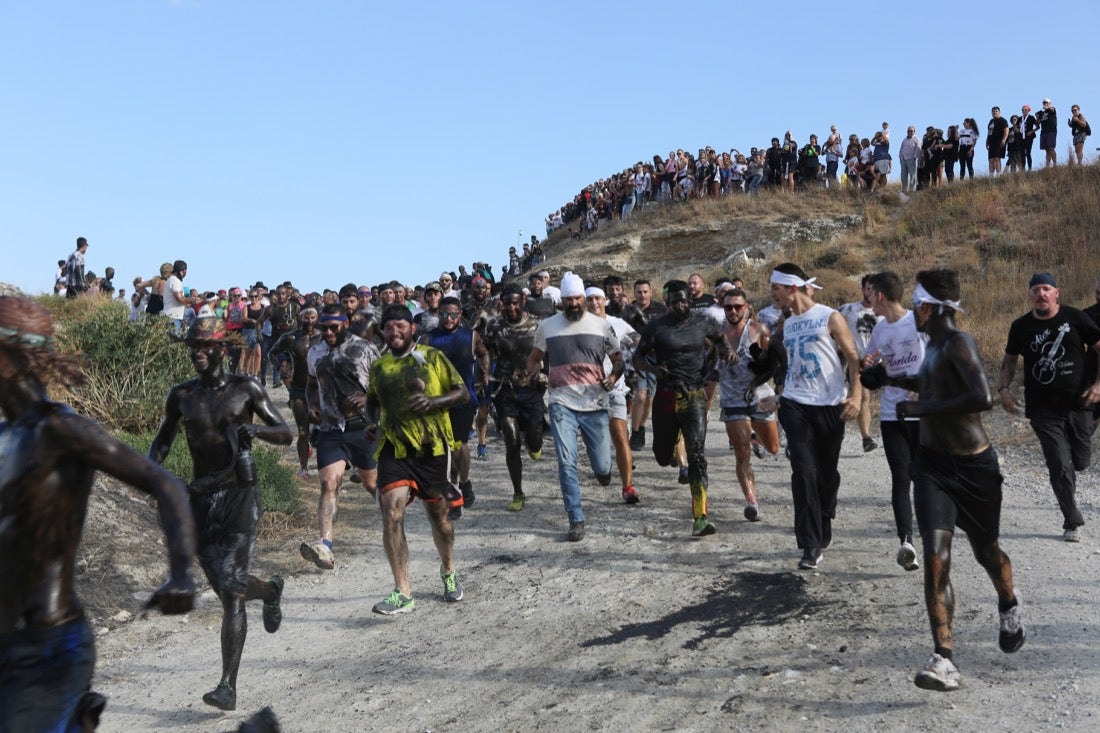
(574, 313)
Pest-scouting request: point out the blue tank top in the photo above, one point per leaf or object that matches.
(458, 347)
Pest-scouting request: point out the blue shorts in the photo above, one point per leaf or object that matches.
(645, 382)
(250, 338)
(746, 412)
(351, 447)
(43, 675)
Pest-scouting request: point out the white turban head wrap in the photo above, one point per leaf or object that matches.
(589, 292)
(571, 285)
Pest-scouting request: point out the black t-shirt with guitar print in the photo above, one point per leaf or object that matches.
(1054, 357)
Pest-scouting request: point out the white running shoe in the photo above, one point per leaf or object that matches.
(1012, 628)
(940, 675)
(907, 556)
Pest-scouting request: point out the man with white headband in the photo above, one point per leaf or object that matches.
(956, 476)
(575, 343)
(1054, 340)
(815, 405)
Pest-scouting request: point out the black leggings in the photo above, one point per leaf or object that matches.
(899, 440)
(966, 161)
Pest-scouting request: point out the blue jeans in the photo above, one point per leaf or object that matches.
(595, 429)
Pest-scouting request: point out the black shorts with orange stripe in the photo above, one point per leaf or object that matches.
(425, 476)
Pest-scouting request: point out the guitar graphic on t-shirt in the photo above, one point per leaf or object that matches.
(1047, 366)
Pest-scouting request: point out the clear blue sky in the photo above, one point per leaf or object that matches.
(336, 140)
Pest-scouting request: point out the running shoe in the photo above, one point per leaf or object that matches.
(758, 449)
(517, 503)
(630, 496)
(395, 602)
(319, 554)
(482, 453)
(1071, 535)
(222, 697)
(752, 512)
(869, 444)
(637, 439)
(304, 473)
(273, 612)
(468, 497)
(684, 478)
(536, 455)
(940, 675)
(454, 513)
(810, 559)
(452, 591)
(1012, 628)
(907, 556)
(576, 532)
(603, 479)
(702, 527)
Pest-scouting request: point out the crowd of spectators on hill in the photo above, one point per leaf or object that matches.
(862, 163)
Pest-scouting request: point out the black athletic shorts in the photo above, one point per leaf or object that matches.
(226, 523)
(525, 403)
(462, 419)
(351, 447)
(428, 477)
(958, 491)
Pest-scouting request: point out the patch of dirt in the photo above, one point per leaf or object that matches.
(639, 627)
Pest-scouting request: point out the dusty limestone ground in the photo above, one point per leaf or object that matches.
(639, 627)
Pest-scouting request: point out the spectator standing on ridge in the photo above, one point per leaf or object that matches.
(1048, 132)
(909, 155)
(175, 301)
(1029, 125)
(75, 281)
(996, 140)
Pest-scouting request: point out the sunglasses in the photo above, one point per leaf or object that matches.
(450, 316)
(740, 307)
(330, 327)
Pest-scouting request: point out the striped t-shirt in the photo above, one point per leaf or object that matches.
(575, 351)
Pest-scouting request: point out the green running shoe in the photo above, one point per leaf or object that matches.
(517, 503)
(395, 602)
(452, 591)
(702, 527)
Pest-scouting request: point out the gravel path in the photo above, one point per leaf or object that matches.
(640, 627)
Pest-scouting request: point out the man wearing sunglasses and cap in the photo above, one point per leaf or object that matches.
(339, 375)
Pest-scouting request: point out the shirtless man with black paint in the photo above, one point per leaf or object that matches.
(216, 411)
(956, 477)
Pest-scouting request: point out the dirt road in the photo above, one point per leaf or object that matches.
(640, 627)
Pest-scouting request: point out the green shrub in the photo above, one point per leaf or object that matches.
(278, 485)
(129, 367)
